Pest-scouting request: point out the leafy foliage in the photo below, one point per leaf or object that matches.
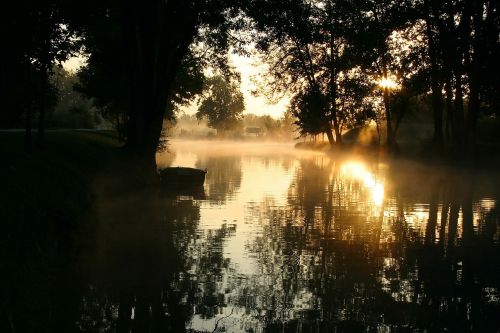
(222, 104)
(311, 52)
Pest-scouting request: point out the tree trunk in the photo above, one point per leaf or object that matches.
(333, 92)
(390, 135)
(338, 134)
(44, 76)
(28, 142)
(461, 41)
(458, 120)
(437, 98)
(329, 135)
(155, 57)
(43, 108)
(473, 111)
(378, 126)
(390, 140)
(399, 118)
(449, 127)
(474, 76)
(437, 106)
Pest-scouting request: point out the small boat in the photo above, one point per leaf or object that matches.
(182, 176)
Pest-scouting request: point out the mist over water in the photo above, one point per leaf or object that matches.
(290, 241)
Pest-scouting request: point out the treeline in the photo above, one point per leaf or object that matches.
(282, 128)
(66, 107)
(71, 109)
(249, 126)
(36, 37)
(348, 63)
(344, 63)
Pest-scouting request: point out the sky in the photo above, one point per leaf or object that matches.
(248, 67)
(258, 105)
(74, 63)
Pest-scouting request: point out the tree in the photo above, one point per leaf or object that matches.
(222, 104)
(310, 51)
(38, 37)
(281, 128)
(308, 109)
(144, 45)
(104, 81)
(379, 35)
(462, 39)
(53, 43)
(72, 109)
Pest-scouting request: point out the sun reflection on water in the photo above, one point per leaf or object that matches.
(358, 171)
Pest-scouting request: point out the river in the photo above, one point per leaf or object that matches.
(284, 240)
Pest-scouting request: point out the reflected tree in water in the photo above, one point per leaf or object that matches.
(223, 177)
(335, 255)
(151, 269)
(133, 266)
(329, 272)
(207, 270)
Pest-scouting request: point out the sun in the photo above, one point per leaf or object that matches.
(387, 83)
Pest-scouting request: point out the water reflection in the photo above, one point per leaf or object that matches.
(295, 242)
(224, 178)
(134, 262)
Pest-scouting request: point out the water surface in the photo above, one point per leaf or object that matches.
(284, 240)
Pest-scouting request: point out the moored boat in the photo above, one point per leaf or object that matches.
(182, 176)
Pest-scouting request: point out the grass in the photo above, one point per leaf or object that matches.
(45, 197)
(51, 186)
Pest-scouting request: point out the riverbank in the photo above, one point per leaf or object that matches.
(45, 197)
(52, 184)
(485, 156)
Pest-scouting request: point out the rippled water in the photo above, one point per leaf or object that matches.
(284, 240)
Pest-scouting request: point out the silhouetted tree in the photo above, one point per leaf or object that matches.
(460, 44)
(39, 37)
(311, 51)
(222, 103)
(139, 49)
(104, 81)
(71, 109)
(382, 59)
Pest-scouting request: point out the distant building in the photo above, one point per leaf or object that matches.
(256, 131)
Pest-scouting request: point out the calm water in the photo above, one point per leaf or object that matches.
(282, 240)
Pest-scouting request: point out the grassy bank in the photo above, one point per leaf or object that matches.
(45, 196)
(51, 186)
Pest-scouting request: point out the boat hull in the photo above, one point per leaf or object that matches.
(182, 177)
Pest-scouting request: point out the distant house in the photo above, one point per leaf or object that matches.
(256, 131)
